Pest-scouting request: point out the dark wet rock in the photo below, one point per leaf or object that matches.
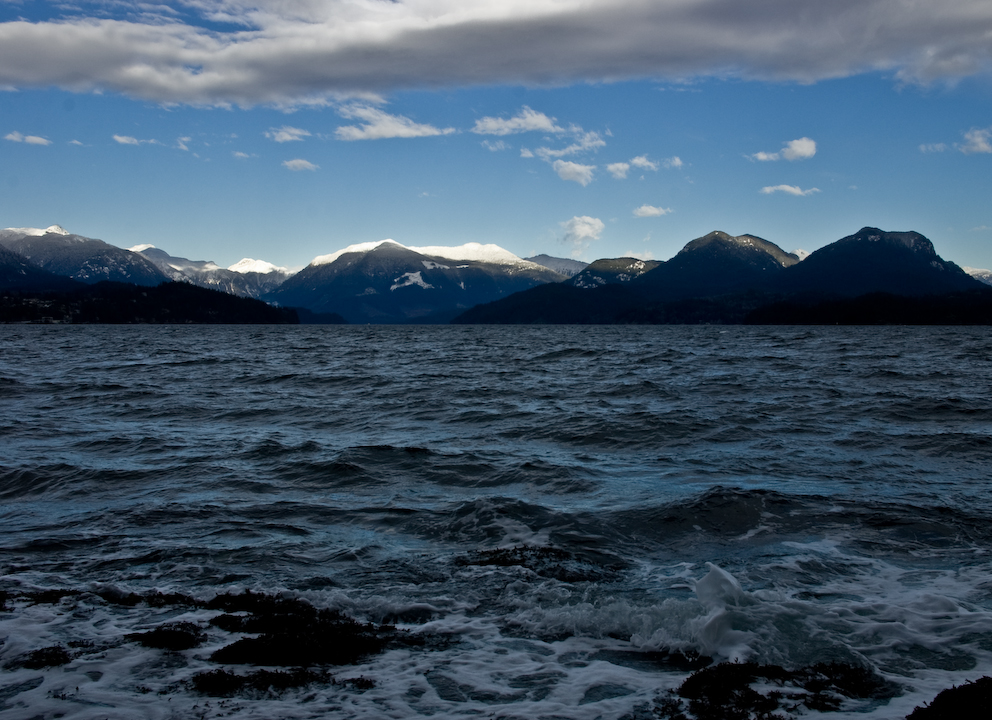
(222, 683)
(293, 633)
(545, 561)
(52, 656)
(725, 692)
(971, 700)
(171, 636)
(51, 597)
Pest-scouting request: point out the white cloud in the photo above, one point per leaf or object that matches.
(977, 141)
(242, 155)
(801, 149)
(75, 142)
(127, 140)
(580, 231)
(497, 146)
(618, 170)
(181, 143)
(640, 255)
(287, 134)
(582, 174)
(641, 161)
(525, 153)
(585, 142)
(526, 120)
(789, 190)
(651, 211)
(298, 164)
(673, 162)
(379, 125)
(933, 148)
(303, 52)
(29, 139)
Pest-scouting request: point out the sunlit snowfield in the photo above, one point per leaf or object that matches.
(539, 522)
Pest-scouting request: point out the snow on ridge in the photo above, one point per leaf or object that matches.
(250, 265)
(360, 247)
(801, 254)
(38, 232)
(472, 251)
(141, 248)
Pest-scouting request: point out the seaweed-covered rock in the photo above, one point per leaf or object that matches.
(971, 700)
(171, 636)
(725, 692)
(294, 633)
(223, 683)
(52, 656)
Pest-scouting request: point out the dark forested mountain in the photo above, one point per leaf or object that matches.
(385, 282)
(562, 266)
(248, 278)
(722, 278)
(80, 258)
(716, 264)
(612, 271)
(18, 273)
(871, 261)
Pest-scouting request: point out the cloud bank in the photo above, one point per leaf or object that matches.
(298, 52)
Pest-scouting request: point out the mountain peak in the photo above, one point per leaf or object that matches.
(56, 230)
(249, 265)
(909, 240)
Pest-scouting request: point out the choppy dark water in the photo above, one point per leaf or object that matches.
(786, 495)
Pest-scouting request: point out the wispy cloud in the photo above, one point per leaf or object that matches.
(977, 140)
(287, 134)
(789, 190)
(128, 140)
(801, 149)
(29, 139)
(651, 211)
(181, 143)
(497, 146)
(526, 120)
(673, 162)
(933, 148)
(567, 170)
(641, 161)
(298, 164)
(618, 170)
(580, 232)
(379, 125)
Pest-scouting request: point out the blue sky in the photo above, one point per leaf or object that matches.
(286, 129)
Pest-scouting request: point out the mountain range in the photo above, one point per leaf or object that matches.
(726, 278)
(714, 278)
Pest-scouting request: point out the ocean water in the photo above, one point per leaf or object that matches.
(559, 522)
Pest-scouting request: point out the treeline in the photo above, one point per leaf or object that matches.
(124, 303)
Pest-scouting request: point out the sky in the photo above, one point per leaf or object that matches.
(286, 129)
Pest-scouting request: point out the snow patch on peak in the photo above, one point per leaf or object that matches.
(801, 254)
(358, 248)
(249, 265)
(38, 232)
(141, 248)
(473, 251)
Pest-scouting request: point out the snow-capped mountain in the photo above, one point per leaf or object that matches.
(81, 258)
(387, 282)
(984, 276)
(564, 266)
(247, 278)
